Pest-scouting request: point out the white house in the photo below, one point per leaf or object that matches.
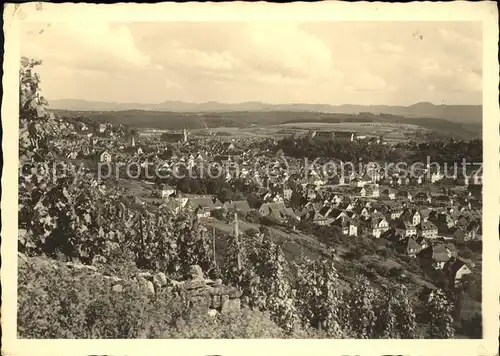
(166, 191)
(436, 176)
(102, 128)
(105, 156)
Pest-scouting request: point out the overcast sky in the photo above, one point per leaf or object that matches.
(274, 62)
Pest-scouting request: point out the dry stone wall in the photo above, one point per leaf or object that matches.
(196, 292)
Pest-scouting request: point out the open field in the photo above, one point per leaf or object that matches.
(250, 121)
(287, 129)
(257, 132)
(351, 126)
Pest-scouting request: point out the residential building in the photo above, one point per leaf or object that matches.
(443, 200)
(287, 193)
(428, 230)
(344, 136)
(458, 269)
(204, 205)
(412, 247)
(436, 255)
(404, 229)
(376, 226)
(412, 216)
(360, 191)
(166, 191)
(404, 195)
(422, 198)
(237, 206)
(372, 190)
(435, 176)
(348, 226)
(105, 156)
(275, 211)
(388, 193)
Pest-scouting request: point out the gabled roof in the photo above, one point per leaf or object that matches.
(240, 205)
(427, 225)
(374, 222)
(424, 213)
(403, 193)
(402, 224)
(457, 264)
(325, 211)
(422, 195)
(439, 253)
(411, 243)
(204, 202)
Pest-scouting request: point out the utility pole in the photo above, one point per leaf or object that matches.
(236, 236)
(213, 245)
(141, 236)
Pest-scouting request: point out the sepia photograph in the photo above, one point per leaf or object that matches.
(283, 178)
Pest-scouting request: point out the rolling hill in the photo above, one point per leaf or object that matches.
(467, 114)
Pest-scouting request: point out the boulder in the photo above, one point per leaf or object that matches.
(113, 278)
(160, 279)
(146, 275)
(200, 292)
(194, 284)
(199, 303)
(80, 266)
(196, 273)
(222, 290)
(146, 286)
(118, 288)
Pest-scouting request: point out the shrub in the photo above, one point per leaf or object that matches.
(252, 216)
(385, 253)
(246, 324)
(64, 303)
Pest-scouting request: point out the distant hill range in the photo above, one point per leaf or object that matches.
(466, 114)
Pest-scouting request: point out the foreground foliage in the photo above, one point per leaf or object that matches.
(64, 303)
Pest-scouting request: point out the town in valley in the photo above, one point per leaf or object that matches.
(201, 218)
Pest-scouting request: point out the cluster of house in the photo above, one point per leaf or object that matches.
(415, 230)
(372, 203)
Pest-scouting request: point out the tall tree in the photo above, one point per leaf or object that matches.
(439, 312)
(362, 299)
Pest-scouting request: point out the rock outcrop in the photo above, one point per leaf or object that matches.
(196, 292)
